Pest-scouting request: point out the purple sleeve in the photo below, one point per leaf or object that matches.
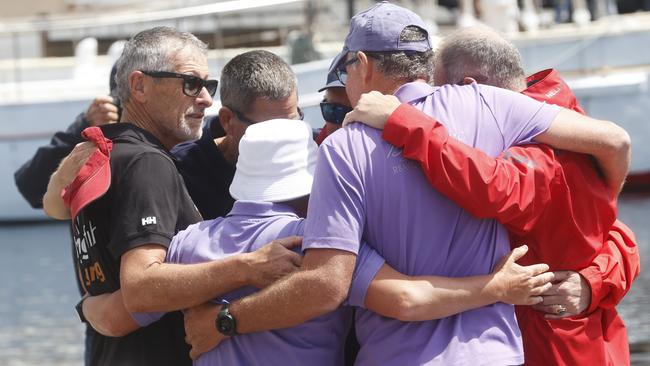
(519, 117)
(144, 319)
(368, 264)
(336, 212)
(174, 252)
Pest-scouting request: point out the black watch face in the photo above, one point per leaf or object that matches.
(225, 325)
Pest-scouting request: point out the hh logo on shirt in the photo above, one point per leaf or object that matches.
(148, 220)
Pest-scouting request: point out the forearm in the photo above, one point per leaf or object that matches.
(604, 140)
(53, 203)
(107, 314)
(168, 287)
(318, 288)
(423, 298)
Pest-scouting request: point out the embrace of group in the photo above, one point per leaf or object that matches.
(405, 238)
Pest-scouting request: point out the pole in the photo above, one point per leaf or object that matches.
(351, 11)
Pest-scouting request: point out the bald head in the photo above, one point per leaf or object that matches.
(482, 54)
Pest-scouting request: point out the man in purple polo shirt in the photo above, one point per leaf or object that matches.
(269, 205)
(271, 186)
(364, 189)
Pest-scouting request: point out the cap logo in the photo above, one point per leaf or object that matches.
(553, 92)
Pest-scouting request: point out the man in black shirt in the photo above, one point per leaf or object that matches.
(120, 239)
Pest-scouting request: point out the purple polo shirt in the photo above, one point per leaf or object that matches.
(365, 190)
(248, 227)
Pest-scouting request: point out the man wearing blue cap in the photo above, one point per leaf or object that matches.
(365, 189)
(334, 107)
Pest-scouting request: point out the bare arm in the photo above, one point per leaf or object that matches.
(604, 140)
(319, 287)
(149, 284)
(53, 204)
(107, 314)
(420, 298)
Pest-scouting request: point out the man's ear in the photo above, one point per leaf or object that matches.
(225, 118)
(468, 80)
(366, 67)
(137, 86)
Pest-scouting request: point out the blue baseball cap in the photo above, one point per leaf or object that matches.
(332, 81)
(379, 29)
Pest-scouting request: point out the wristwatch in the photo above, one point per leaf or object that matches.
(226, 323)
(80, 310)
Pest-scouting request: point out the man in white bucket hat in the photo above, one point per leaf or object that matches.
(271, 187)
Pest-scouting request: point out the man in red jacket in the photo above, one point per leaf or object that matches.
(554, 201)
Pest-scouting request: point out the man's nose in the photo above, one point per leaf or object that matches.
(204, 99)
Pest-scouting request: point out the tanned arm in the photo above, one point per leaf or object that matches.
(607, 142)
(107, 314)
(148, 284)
(420, 298)
(319, 287)
(53, 204)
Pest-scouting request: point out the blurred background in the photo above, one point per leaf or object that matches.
(55, 57)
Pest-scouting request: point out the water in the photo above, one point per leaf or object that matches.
(38, 325)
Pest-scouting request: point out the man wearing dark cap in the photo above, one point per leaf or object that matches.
(365, 189)
(334, 107)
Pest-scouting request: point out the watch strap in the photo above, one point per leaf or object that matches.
(225, 322)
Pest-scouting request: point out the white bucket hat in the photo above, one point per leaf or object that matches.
(276, 162)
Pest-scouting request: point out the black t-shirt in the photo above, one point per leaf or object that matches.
(206, 172)
(146, 203)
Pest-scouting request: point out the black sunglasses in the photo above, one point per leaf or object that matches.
(192, 85)
(342, 72)
(333, 112)
(248, 121)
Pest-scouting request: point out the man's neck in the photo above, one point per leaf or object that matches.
(142, 119)
(224, 144)
(390, 86)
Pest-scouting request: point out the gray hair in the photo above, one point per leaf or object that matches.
(482, 54)
(152, 50)
(255, 74)
(406, 65)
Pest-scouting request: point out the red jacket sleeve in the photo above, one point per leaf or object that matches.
(513, 188)
(612, 272)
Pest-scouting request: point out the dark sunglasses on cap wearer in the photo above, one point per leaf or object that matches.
(334, 112)
(192, 85)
